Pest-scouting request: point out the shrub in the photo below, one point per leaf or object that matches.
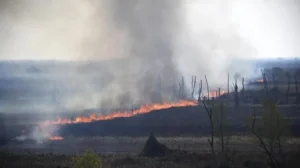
(88, 160)
(271, 133)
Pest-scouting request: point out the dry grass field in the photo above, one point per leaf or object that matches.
(122, 152)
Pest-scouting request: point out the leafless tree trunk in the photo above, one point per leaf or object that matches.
(193, 86)
(280, 151)
(207, 87)
(182, 88)
(236, 93)
(211, 140)
(263, 145)
(265, 81)
(200, 91)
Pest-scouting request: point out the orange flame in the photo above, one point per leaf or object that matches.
(260, 81)
(214, 94)
(55, 138)
(142, 110)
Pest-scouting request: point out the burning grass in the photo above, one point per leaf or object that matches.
(142, 110)
(56, 138)
(94, 117)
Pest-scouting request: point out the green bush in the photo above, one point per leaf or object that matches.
(88, 160)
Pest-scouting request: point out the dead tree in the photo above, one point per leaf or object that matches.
(207, 87)
(193, 86)
(265, 81)
(236, 94)
(274, 162)
(182, 88)
(288, 88)
(211, 141)
(179, 90)
(200, 91)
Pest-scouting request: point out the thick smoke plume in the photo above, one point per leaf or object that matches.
(132, 52)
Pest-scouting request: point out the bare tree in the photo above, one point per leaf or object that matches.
(278, 73)
(265, 81)
(212, 138)
(207, 87)
(274, 127)
(200, 91)
(215, 113)
(263, 145)
(193, 86)
(182, 88)
(209, 113)
(236, 93)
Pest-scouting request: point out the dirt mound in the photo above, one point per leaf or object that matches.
(153, 148)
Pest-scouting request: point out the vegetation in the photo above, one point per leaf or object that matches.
(88, 160)
(270, 135)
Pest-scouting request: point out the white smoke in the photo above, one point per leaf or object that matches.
(141, 41)
(39, 134)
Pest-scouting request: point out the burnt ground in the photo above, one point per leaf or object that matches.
(120, 140)
(174, 122)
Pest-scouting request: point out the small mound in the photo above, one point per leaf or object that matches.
(153, 148)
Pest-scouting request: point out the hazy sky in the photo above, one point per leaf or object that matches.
(77, 30)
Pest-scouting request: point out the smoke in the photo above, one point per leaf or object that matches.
(131, 52)
(38, 134)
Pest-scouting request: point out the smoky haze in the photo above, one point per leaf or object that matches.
(131, 52)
